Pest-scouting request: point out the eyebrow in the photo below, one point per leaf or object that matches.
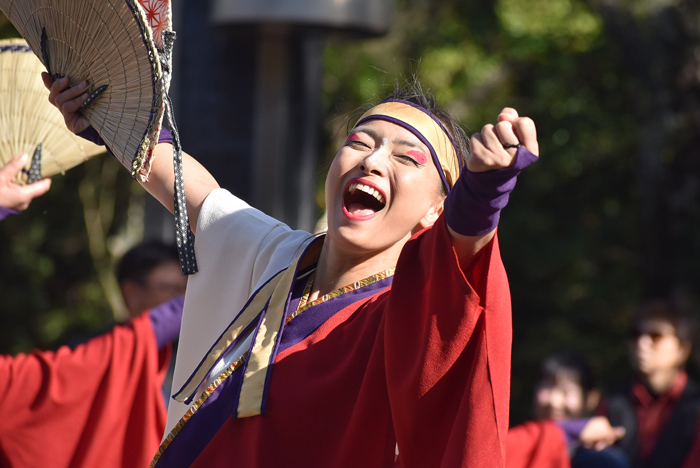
(375, 135)
(407, 143)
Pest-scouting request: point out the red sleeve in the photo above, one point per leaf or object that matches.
(537, 444)
(448, 338)
(98, 405)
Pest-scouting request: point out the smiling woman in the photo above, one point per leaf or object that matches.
(391, 332)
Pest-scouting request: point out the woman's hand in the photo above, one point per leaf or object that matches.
(68, 101)
(599, 433)
(473, 207)
(488, 152)
(14, 196)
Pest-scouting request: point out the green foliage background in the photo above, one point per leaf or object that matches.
(607, 217)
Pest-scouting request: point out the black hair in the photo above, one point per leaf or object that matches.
(140, 260)
(570, 363)
(669, 311)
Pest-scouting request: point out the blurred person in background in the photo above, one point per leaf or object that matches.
(149, 274)
(564, 434)
(660, 408)
(100, 404)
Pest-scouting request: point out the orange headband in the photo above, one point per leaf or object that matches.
(427, 128)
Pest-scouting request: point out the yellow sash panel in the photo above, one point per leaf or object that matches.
(253, 387)
(278, 286)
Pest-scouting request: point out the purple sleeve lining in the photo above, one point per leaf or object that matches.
(572, 430)
(5, 212)
(90, 134)
(473, 207)
(165, 136)
(166, 319)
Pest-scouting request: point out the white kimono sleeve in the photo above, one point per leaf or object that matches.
(238, 248)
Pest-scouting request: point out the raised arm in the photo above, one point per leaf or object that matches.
(198, 181)
(473, 207)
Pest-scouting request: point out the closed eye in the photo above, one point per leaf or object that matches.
(357, 143)
(409, 159)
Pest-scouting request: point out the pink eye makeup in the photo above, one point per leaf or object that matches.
(353, 137)
(419, 157)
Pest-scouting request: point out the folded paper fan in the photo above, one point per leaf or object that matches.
(109, 44)
(28, 120)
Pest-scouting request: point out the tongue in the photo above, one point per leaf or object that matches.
(358, 209)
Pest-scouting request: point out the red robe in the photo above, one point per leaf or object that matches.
(692, 460)
(424, 364)
(100, 405)
(537, 444)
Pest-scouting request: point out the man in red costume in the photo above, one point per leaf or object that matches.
(660, 410)
(100, 404)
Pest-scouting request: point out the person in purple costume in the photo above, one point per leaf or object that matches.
(564, 434)
(566, 393)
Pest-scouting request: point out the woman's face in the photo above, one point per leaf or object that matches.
(380, 187)
(562, 398)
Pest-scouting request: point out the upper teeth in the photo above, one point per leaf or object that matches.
(367, 189)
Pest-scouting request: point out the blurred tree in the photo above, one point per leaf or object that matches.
(57, 276)
(659, 43)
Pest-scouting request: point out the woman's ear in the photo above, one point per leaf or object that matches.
(430, 217)
(593, 400)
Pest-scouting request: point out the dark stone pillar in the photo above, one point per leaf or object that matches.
(247, 103)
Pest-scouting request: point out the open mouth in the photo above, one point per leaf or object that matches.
(361, 200)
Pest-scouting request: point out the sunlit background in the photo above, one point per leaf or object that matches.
(608, 217)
